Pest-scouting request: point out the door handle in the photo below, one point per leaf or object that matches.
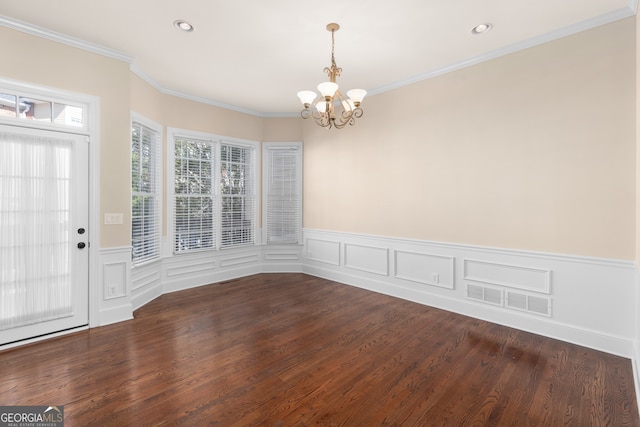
(81, 245)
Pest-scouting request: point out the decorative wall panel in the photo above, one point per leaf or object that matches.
(367, 258)
(428, 269)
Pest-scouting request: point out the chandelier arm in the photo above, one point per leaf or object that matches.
(342, 123)
(348, 117)
(321, 119)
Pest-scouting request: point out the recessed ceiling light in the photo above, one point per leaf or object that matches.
(482, 28)
(183, 25)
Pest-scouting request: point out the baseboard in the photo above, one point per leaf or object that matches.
(635, 364)
(115, 314)
(145, 296)
(281, 268)
(181, 284)
(42, 338)
(635, 360)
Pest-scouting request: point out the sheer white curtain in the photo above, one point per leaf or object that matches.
(35, 209)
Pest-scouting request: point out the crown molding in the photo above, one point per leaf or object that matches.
(607, 18)
(144, 76)
(34, 30)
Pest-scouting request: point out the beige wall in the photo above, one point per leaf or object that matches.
(286, 129)
(637, 157)
(36, 60)
(534, 151)
(39, 61)
(171, 111)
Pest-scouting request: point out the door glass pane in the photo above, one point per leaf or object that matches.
(35, 204)
(7, 105)
(68, 115)
(35, 109)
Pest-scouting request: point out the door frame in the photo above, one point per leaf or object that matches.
(91, 130)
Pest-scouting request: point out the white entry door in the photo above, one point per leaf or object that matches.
(44, 239)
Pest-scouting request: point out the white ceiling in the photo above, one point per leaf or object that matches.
(255, 55)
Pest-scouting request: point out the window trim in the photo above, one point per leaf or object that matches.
(157, 128)
(216, 141)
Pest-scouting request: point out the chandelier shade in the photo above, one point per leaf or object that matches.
(307, 97)
(357, 95)
(328, 89)
(333, 109)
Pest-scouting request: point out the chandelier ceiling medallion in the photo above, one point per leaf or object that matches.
(333, 109)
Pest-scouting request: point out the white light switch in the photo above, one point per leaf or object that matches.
(112, 218)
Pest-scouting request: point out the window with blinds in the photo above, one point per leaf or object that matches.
(145, 192)
(215, 199)
(194, 196)
(282, 191)
(237, 194)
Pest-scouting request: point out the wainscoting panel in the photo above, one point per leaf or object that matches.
(282, 258)
(583, 300)
(369, 259)
(115, 283)
(146, 283)
(144, 277)
(587, 301)
(239, 259)
(189, 264)
(124, 288)
(514, 276)
(324, 251)
(115, 280)
(428, 269)
(189, 270)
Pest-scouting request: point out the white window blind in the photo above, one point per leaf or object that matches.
(282, 169)
(145, 193)
(238, 198)
(194, 196)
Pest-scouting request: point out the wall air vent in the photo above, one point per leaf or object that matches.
(529, 303)
(484, 294)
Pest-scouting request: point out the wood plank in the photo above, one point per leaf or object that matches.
(291, 349)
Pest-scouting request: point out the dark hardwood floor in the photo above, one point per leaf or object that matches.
(295, 350)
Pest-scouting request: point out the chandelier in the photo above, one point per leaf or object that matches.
(333, 109)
